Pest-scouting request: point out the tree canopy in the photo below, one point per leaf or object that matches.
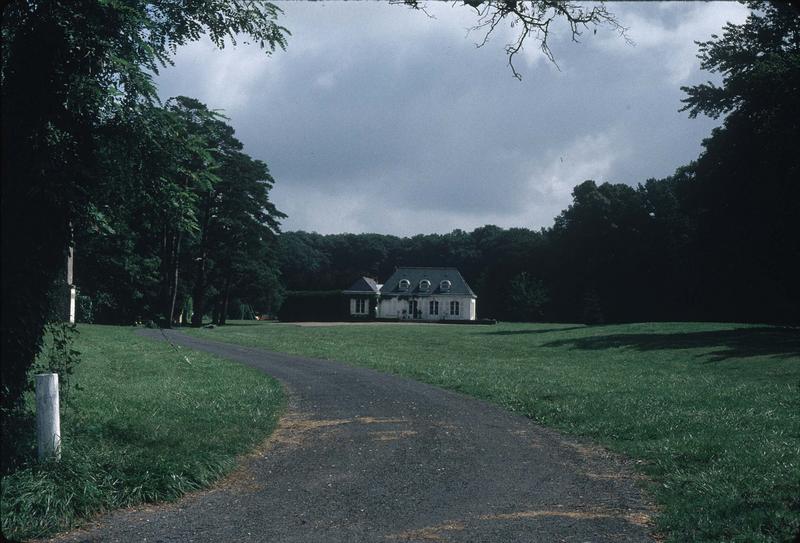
(71, 73)
(758, 60)
(745, 196)
(186, 219)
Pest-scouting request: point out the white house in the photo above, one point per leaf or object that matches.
(363, 297)
(433, 294)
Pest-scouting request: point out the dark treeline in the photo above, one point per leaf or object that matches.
(618, 253)
(718, 240)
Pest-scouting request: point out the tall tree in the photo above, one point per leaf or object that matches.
(241, 237)
(602, 247)
(67, 69)
(746, 194)
(175, 207)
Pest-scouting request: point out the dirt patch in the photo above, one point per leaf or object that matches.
(439, 532)
(634, 517)
(615, 476)
(392, 435)
(432, 533)
(296, 428)
(379, 420)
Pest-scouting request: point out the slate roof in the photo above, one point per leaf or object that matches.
(458, 287)
(364, 285)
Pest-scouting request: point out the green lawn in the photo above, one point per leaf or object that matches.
(711, 410)
(146, 426)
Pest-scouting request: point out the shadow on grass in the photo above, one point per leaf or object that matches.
(540, 331)
(234, 324)
(139, 436)
(738, 343)
(19, 439)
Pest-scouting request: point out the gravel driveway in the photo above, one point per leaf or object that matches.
(364, 456)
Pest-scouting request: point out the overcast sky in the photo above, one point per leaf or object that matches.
(378, 118)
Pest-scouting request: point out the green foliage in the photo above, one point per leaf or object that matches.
(58, 300)
(71, 72)
(133, 435)
(84, 309)
(592, 308)
(759, 61)
(201, 227)
(745, 198)
(241, 237)
(602, 249)
(60, 356)
(527, 297)
(709, 411)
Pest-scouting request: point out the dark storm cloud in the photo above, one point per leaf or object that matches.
(378, 118)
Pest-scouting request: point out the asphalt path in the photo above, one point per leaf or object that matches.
(365, 456)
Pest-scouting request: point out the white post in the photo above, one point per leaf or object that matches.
(71, 285)
(73, 294)
(48, 419)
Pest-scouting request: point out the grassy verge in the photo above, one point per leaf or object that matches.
(146, 426)
(712, 410)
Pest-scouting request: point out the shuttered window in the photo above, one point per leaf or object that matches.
(455, 308)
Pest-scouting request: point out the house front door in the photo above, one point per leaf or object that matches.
(413, 309)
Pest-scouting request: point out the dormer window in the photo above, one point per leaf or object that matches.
(445, 285)
(404, 284)
(424, 284)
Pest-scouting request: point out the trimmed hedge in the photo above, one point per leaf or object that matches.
(315, 305)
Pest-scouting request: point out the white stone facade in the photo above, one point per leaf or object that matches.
(444, 308)
(360, 306)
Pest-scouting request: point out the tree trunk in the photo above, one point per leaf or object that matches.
(226, 292)
(199, 293)
(164, 293)
(170, 273)
(215, 312)
(199, 290)
(176, 264)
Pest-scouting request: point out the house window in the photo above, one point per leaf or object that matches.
(413, 309)
(433, 307)
(361, 305)
(424, 284)
(445, 285)
(455, 308)
(404, 284)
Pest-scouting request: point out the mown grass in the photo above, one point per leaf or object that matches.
(146, 426)
(712, 411)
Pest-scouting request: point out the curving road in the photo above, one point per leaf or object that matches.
(364, 456)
